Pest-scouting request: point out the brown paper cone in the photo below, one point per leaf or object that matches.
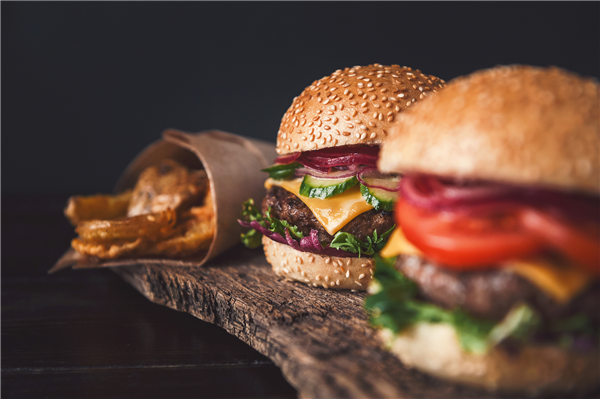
(233, 165)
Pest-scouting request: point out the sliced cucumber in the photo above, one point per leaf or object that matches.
(313, 187)
(282, 171)
(381, 200)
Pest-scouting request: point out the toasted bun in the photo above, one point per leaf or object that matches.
(316, 270)
(352, 106)
(434, 349)
(516, 124)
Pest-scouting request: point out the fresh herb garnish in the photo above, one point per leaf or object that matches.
(349, 243)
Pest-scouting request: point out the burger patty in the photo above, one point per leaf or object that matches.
(491, 294)
(287, 206)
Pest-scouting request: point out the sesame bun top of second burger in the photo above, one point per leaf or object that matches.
(353, 106)
(515, 124)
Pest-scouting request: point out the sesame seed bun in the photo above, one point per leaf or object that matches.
(434, 349)
(515, 124)
(352, 106)
(318, 271)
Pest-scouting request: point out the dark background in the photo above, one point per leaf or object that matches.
(87, 85)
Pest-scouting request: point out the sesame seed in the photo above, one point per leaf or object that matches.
(328, 260)
(346, 133)
(306, 280)
(373, 135)
(302, 273)
(361, 276)
(358, 283)
(348, 274)
(326, 278)
(363, 265)
(363, 136)
(311, 258)
(318, 277)
(332, 284)
(314, 284)
(348, 262)
(336, 271)
(337, 282)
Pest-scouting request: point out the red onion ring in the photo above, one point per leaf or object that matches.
(336, 174)
(372, 178)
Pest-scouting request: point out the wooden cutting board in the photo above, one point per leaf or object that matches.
(318, 337)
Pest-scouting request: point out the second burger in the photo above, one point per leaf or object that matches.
(328, 210)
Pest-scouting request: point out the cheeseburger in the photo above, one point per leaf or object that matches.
(491, 277)
(328, 210)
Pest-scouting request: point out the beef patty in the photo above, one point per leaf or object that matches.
(287, 206)
(490, 294)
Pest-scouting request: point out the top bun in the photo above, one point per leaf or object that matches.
(515, 124)
(351, 107)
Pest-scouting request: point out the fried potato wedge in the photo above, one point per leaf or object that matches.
(159, 217)
(106, 207)
(167, 185)
(151, 227)
(109, 250)
(197, 233)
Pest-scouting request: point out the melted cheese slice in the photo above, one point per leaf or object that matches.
(333, 213)
(398, 245)
(561, 282)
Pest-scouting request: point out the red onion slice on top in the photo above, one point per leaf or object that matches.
(283, 159)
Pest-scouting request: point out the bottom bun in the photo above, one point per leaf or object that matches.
(317, 270)
(434, 349)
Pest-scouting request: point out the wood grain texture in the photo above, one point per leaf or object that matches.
(319, 338)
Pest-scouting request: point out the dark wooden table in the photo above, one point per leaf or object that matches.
(80, 334)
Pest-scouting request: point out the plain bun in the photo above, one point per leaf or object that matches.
(354, 106)
(434, 349)
(316, 270)
(515, 124)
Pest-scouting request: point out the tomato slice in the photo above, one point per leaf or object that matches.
(581, 246)
(465, 242)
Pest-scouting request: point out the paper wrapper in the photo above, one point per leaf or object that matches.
(232, 164)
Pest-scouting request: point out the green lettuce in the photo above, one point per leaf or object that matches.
(392, 305)
(349, 243)
(341, 241)
(252, 238)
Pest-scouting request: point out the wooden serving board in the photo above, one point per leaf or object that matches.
(318, 337)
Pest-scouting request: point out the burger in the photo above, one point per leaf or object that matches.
(328, 210)
(491, 277)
